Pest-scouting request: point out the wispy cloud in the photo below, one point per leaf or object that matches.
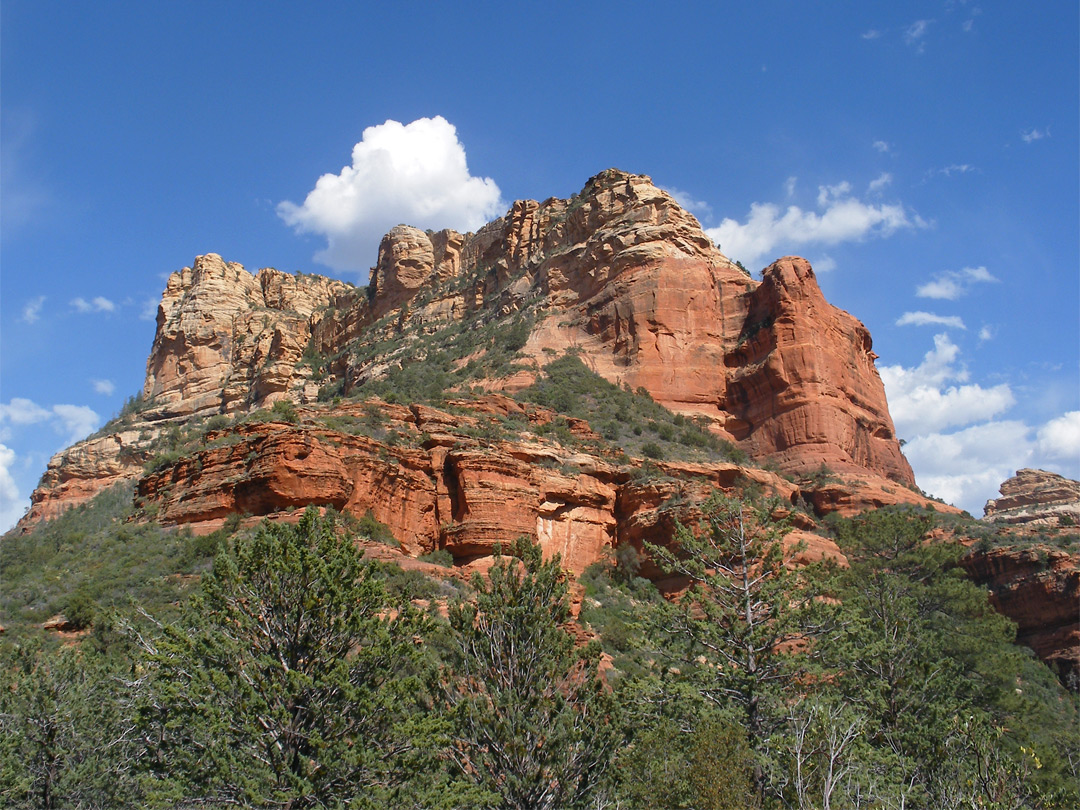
(879, 183)
(74, 422)
(105, 387)
(400, 173)
(840, 217)
(25, 196)
(32, 311)
(148, 309)
(930, 319)
(952, 284)
(873, 33)
(1032, 135)
(951, 169)
(98, 304)
(969, 24)
(914, 35)
(882, 147)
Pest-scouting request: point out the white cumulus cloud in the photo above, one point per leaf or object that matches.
(1060, 438)
(965, 468)
(959, 446)
(12, 503)
(105, 387)
(926, 398)
(413, 173)
(841, 218)
(1030, 135)
(930, 319)
(20, 411)
(952, 284)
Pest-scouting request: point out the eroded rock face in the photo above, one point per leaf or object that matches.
(227, 340)
(450, 491)
(804, 385)
(620, 274)
(1037, 497)
(84, 470)
(1038, 587)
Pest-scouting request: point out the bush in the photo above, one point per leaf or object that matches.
(439, 557)
(652, 450)
(285, 411)
(80, 610)
(374, 529)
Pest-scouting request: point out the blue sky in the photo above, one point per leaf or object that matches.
(922, 155)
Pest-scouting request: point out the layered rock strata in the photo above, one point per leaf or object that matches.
(619, 274)
(1038, 587)
(435, 486)
(1037, 497)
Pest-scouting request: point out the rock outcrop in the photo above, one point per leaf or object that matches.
(1036, 497)
(1038, 587)
(620, 275)
(227, 340)
(423, 475)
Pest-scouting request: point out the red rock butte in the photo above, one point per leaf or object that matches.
(620, 275)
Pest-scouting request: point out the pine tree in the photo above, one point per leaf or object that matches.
(531, 719)
(289, 682)
(746, 610)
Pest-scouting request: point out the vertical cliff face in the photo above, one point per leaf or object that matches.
(803, 382)
(1038, 587)
(227, 340)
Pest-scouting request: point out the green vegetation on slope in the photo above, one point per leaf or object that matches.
(297, 673)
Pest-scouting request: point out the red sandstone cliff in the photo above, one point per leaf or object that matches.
(1038, 588)
(619, 274)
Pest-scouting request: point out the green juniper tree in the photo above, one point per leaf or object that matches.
(530, 717)
(64, 739)
(289, 682)
(953, 714)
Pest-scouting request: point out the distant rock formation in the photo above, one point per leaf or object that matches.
(1037, 497)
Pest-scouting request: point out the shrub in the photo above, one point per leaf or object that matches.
(652, 450)
(439, 556)
(80, 610)
(285, 411)
(374, 529)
